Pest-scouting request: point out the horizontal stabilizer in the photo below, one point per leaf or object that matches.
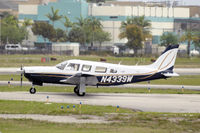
(171, 74)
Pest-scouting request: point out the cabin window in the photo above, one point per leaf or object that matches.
(86, 68)
(113, 71)
(74, 67)
(100, 69)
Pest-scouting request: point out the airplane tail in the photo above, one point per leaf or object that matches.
(166, 60)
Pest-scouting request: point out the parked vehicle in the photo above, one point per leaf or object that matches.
(15, 47)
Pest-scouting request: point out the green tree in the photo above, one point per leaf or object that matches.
(53, 16)
(27, 22)
(82, 25)
(10, 20)
(134, 35)
(60, 35)
(102, 36)
(81, 22)
(141, 22)
(76, 34)
(190, 37)
(168, 38)
(197, 40)
(44, 29)
(94, 25)
(67, 23)
(11, 32)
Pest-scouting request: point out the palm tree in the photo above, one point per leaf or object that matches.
(94, 25)
(168, 38)
(134, 35)
(81, 22)
(10, 20)
(27, 22)
(53, 16)
(82, 25)
(139, 21)
(67, 23)
(189, 36)
(135, 24)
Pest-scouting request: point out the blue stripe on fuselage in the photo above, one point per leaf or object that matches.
(102, 80)
(46, 78)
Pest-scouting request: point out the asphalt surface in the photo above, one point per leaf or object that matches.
(181, 71)
(177, 103)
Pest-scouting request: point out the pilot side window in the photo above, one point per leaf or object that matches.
(86, 68)
(74, 67)
(100, 69)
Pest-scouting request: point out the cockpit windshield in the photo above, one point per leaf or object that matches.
(62, 65)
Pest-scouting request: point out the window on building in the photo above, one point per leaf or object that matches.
(113, 71)
(74, 67)
(100, 69)
(86, 68)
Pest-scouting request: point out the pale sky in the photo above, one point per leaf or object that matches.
(185, 2)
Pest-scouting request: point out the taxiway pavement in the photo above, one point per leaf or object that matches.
(179, 103)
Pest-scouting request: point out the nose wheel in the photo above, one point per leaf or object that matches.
(32, 90)
(77, 92)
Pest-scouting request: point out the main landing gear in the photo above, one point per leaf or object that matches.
(32, 90)
(77, 91)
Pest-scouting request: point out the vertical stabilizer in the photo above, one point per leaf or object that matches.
(167, 59)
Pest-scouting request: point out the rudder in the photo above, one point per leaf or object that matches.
(167, 59)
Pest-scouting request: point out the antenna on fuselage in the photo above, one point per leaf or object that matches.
(120, 63)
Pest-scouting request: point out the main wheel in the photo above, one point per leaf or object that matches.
(32, 90)
(79, 94)
(76, 90)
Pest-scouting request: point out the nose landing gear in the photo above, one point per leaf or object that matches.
(32, 90)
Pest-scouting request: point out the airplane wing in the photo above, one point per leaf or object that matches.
(76, 79)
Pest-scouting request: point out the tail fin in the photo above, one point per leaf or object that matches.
(167, 59)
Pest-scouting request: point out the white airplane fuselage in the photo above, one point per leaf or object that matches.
(83, 73)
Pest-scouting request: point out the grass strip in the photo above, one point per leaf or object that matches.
(24, 107)
(98, 90)
(30, 60)
(125, 120)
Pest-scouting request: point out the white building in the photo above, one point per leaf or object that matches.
(162, 18)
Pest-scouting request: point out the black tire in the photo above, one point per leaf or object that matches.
(32, 90)
(81, 95)
(76, 90)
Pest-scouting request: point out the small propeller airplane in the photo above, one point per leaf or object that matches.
(83, 73)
